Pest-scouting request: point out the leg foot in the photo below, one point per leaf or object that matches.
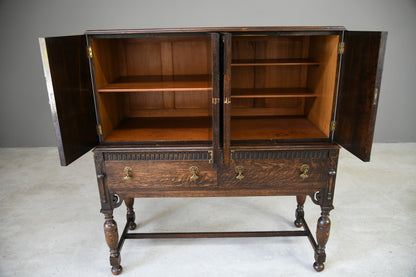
(132, 226)
(116, 270)
(111, 236)
(131, 216)
(318, 266)
(299, 211)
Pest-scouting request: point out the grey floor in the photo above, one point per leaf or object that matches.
(51, 225)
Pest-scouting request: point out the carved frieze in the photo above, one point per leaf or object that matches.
(280, 154)
(154, 156)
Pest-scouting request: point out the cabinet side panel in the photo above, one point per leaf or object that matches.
(70, 95)
(322, 80)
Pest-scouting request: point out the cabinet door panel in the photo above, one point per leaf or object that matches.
(215, 56)
(226, 124)
(70, 92)
(362, 65)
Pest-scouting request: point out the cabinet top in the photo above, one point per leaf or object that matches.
(219, 29)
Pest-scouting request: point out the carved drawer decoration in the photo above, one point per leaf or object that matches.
(286, 170)
(174, 170)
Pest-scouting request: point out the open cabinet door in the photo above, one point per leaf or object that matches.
(360, 78)
(215, 52)
(70, 92)
(226, 46)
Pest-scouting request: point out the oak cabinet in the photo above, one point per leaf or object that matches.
(205, 112)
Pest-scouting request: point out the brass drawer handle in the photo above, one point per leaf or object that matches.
(304, 169)
(195, 171)
(240, 170)
(128, 171)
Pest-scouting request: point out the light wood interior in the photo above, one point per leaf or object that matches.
(271, 127)
(150, 81)
(163, 129)
(282, 87)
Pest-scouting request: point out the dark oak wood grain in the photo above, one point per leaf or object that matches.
(362, 66)
(322, 235)
(226, 99)
(70, 95)
(216, 114)
(280, 173)
(160, 176)
(218, 29)
(131, 216)
(267, 171)
(300, 213)
(111, 236)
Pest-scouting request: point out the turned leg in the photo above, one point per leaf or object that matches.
(111, 236)
(131, 216)
(322, 234)
(299, 211)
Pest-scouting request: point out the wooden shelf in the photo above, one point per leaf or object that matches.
(163, 129)
(272, 62)
(272, 93)
(267, 128)
(159, 83)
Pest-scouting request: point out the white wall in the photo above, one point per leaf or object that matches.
(24, 111)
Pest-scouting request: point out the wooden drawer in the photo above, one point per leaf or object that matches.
(287, 171)
(264, 172)
(159, 175)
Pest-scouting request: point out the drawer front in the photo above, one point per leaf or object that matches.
(190, 174)
(283, 170)
(159, 172)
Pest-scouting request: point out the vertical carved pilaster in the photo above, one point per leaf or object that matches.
(299, 211)
(106, 204)
(111, 236)
(322, 235)
(131, 216)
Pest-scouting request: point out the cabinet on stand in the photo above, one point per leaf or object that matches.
(213, 112)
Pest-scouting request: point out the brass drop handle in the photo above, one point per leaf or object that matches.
(128, 171)
(194, 171)
(304, 169)
(239, 169)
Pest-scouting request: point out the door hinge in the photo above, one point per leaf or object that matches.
(211, 158)
(375, 96)
(89, 51)
(341, 47)
(99, 130)
(333, 125)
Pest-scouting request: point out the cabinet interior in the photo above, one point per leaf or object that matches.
(283, 86)
(160, 88)
(154, 88)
